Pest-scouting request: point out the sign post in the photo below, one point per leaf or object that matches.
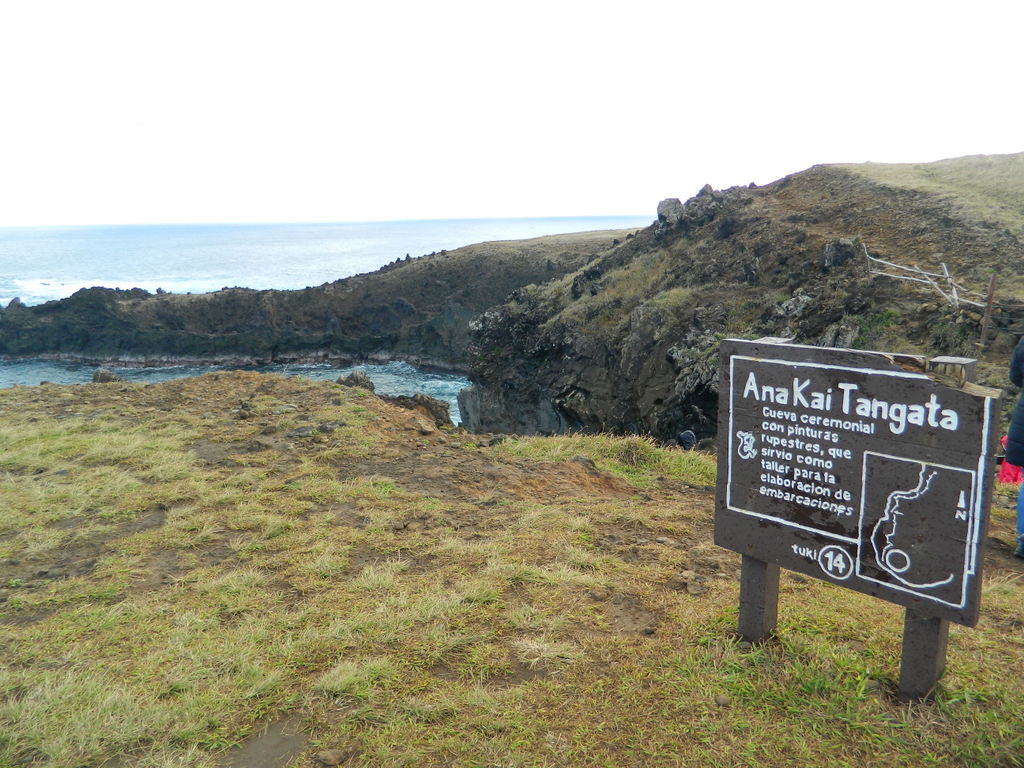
(864, 469)
(759, 599)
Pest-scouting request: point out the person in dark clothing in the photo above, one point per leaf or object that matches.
(1015, 440)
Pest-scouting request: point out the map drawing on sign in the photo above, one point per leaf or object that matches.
(861, 468)
(917, 526)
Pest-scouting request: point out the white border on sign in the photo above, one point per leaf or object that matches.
(982, 469)
(974, 527)
(970, 541)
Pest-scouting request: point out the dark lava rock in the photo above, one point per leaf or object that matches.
(418, 310)
(431, 407)
(103, 376)
(687, 440)
(670, 211)
(837, 253)
(357, 379)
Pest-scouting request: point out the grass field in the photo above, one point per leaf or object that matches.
(188, 581)
(989, 187)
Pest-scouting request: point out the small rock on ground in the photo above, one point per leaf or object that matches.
(421, 425)
(332, 757)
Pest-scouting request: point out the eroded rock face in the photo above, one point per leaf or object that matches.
(483, 411)
(630, 342)
(838, 252)
(357, 379)
(437, 412)
(568, 380)
(416, 310)
(103, 376)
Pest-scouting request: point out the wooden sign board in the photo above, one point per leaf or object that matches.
(857, 468)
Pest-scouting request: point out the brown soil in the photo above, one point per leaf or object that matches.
(271, 746)
(474, 480)
(447, 464)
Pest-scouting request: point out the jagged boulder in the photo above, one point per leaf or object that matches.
(437, 411)
(104, 376)
(357, 379)
(702, 207)
(695, 212)
(841, 335)
(795, 305)
(670, 211)
(837, 252)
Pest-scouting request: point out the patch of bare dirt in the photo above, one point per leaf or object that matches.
(75, 557)
(162, 568)
(273, 745)
(213, 452)
(628, 615)
(999, 557)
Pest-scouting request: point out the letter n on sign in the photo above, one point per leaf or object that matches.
(858, 468)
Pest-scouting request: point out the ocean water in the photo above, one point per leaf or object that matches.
(39, 264)
(389, 379)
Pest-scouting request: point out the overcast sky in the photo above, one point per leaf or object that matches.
(180, 111)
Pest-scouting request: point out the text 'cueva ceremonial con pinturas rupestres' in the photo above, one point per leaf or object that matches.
(897, 415)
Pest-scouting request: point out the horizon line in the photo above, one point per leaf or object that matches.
(322, 222)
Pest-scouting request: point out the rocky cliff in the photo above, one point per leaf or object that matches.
(413, 309)
(628, 342)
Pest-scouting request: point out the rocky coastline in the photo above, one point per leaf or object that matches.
(413, 310)
(611, 331)
(629, 343)
(322, 357)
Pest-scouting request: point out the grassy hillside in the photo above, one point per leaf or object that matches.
(987, 187)
(249, 570)
(628, 342)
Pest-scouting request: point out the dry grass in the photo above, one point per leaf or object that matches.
(990, 187)
(425, 605)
